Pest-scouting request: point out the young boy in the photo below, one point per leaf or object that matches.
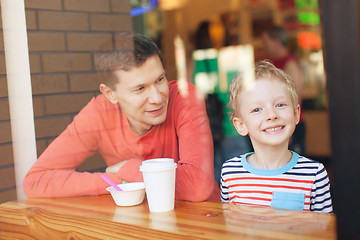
(267, 109)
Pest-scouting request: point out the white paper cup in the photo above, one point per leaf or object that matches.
(159, 179)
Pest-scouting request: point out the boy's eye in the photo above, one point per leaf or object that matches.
(281, 105)
(255, 110)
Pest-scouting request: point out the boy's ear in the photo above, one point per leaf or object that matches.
(240, 126)
(108, 93)
(297, 113)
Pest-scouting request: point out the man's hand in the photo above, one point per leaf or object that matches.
(116, 167)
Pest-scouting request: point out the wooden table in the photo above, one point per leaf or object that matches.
(97, 217)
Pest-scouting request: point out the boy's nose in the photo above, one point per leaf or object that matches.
(272, 115)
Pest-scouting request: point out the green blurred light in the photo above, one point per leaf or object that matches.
(310, 4)
(309, 18)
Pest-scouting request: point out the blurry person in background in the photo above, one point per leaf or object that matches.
(138, 116)
(275, 43)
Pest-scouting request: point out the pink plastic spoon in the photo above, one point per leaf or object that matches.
(111, 182)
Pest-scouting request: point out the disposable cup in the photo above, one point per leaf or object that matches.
(132, 193)
(159, 179)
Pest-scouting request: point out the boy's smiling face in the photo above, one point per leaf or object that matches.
(266, 113)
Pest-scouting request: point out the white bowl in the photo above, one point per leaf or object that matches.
(131, 194)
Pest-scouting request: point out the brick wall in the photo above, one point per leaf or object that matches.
(62, 36)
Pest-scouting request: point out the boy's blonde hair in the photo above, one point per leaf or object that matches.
(263, 69)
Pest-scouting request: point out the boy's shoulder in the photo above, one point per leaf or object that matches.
(306, 160)
(235, 161)
(307, 164)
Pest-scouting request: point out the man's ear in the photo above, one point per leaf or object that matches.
(297, 113)
(108, 93)
(240, 126)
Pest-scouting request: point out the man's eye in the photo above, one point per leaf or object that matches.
(139, 89)
(160, 79)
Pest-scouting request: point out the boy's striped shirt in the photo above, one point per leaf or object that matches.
(301, 177)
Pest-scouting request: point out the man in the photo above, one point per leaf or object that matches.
(138, 116)
(275, 43)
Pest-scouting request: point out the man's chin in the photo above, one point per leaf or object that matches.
(159, 120)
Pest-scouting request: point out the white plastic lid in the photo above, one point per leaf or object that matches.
(158, 164)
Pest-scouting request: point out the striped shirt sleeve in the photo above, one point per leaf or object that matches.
(224, 191)
(320, 193)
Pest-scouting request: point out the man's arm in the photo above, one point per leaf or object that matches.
(54, 173)
(195, 179)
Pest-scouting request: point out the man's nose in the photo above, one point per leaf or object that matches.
(154, 95)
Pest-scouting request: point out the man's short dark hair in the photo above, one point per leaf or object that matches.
(129, 51)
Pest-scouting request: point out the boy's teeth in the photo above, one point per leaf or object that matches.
(272, 129)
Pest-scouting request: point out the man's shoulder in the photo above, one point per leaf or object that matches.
(100, 102)
(99, 111)
(101, 99)
(182, 90)
(178, 86)
(98, 105)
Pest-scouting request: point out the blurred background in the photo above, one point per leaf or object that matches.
(203, 41)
